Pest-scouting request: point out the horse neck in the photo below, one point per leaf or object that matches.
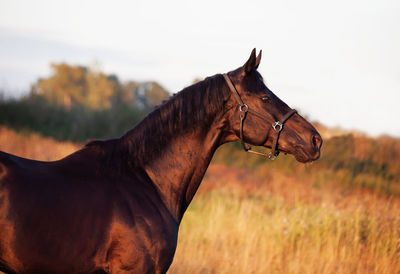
(174, 144)
(178, 172)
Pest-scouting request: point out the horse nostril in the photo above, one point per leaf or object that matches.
(316, 140)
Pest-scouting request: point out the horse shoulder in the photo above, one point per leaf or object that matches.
(8, 259)
(143, 234)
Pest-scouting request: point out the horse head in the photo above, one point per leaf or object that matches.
(258, 117)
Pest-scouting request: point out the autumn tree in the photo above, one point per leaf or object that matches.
(76, 85)
(144, 95)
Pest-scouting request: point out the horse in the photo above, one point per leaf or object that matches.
(115, 206)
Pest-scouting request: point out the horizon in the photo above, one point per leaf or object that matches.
(337, 63)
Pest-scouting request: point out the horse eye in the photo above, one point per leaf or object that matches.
(266, 99)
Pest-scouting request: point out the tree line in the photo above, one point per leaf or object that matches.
(78, 103)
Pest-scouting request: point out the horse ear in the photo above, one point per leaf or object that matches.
(258, 59)
(251, 63)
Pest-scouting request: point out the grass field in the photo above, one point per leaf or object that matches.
(244, 221)
(33, 146)
(275, 229)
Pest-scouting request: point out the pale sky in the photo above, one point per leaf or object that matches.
(338, 62)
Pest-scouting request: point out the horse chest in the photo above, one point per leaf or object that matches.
(142, 240)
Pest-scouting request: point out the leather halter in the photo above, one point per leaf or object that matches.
(244, 109)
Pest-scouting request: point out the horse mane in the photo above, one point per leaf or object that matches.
(194, 106)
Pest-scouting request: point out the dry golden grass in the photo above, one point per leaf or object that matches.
(240, 224)
(34, 146)
(266, 222)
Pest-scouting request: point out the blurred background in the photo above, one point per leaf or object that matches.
(71, 71)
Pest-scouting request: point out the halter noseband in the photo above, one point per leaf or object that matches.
(244, 109)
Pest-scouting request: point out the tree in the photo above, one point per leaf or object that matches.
(77, 85)
(144, 95)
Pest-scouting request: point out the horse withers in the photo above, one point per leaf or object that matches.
(115, 206)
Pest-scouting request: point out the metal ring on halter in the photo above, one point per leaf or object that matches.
(277, 124)
(244, 108)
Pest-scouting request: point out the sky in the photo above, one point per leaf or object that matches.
(338, 62)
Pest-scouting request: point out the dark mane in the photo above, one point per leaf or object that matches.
(192, 107)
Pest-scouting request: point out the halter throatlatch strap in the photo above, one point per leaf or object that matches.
(244, 109)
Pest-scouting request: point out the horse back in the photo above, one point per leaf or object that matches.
(51, 210)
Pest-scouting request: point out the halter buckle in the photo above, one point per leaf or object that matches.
(244, 108)
(277, 124)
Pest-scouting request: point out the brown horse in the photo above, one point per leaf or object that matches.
(115, 206)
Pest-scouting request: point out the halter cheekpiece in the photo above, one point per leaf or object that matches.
(244, 109)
